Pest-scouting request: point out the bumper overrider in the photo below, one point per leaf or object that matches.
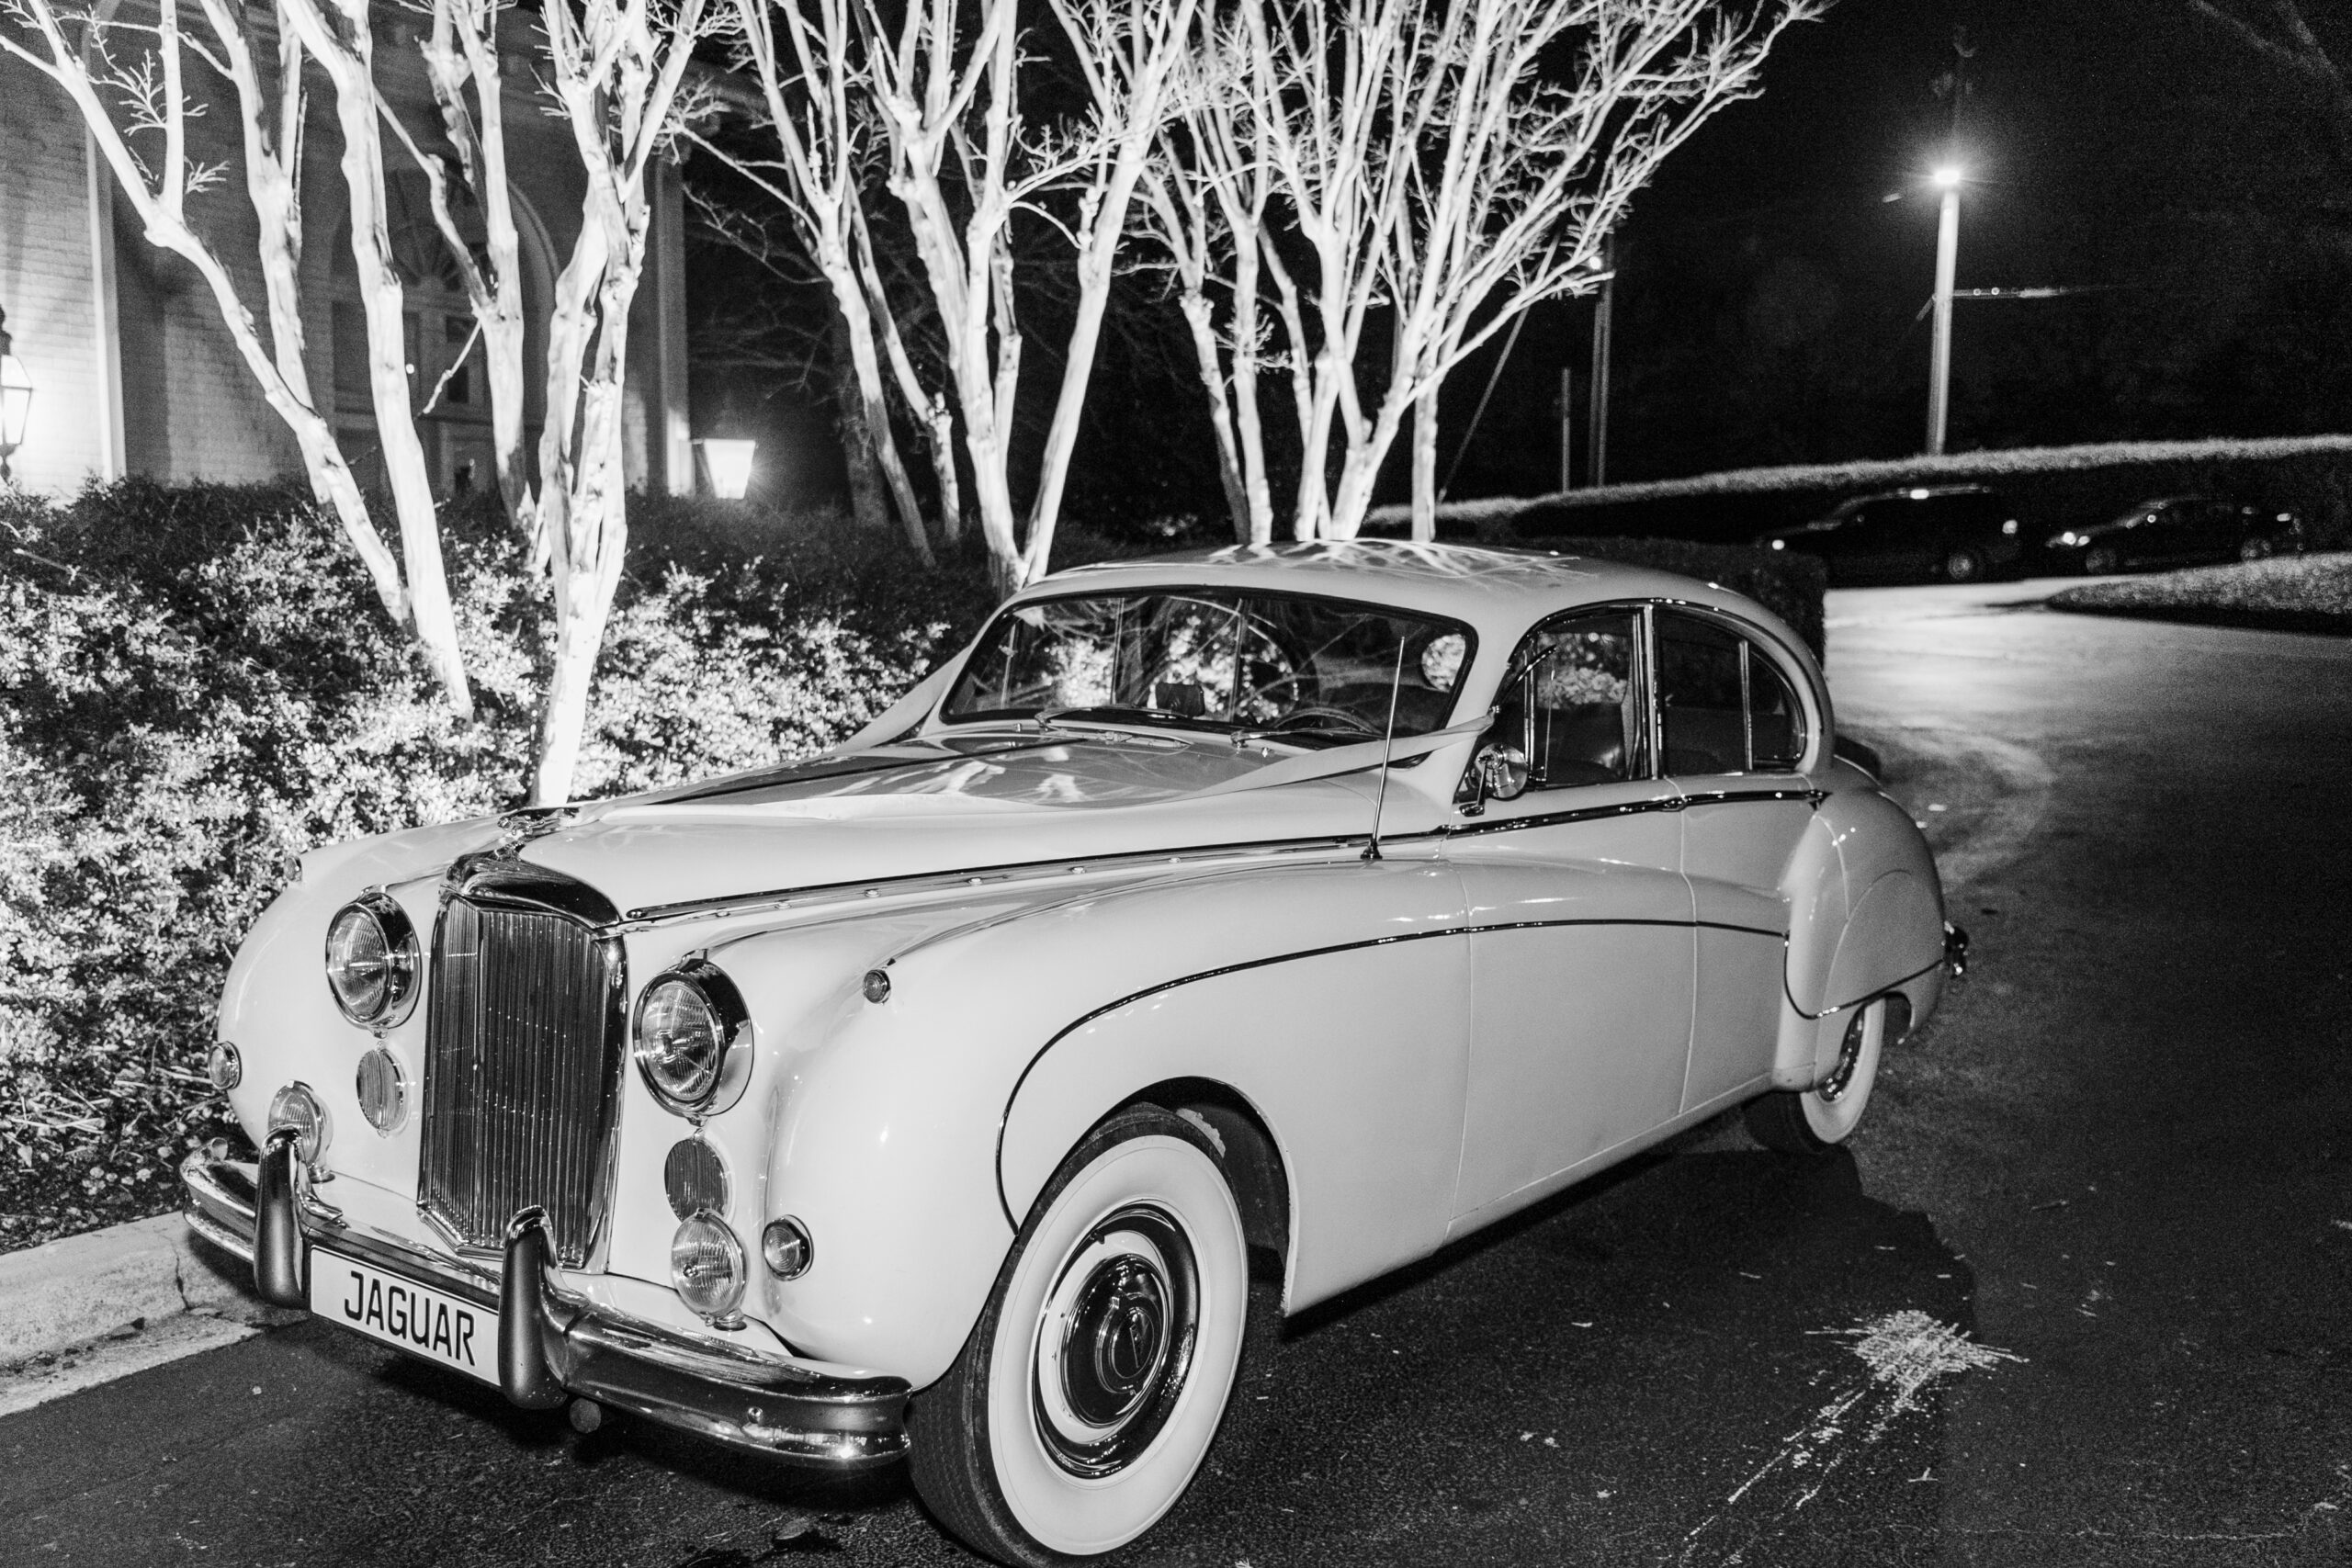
(553, 1346)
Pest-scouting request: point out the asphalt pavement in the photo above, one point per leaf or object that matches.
(2078, 1294)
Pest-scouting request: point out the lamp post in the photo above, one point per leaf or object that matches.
(1947, 179)
(15, 399)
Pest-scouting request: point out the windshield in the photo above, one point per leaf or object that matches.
(1315, 670)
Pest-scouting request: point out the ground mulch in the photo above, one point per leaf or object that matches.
(2295, 594)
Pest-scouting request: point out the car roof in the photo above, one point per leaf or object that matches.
(1498, 590)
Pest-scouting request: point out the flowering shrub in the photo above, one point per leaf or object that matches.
(196, 683)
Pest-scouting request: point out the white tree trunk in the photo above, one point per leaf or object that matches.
(344, 46)
(1425, 466)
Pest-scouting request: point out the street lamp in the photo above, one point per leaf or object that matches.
(1947, 178)
(728, 464)
(15, 400)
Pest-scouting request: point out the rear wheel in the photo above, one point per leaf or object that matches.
(1086, 1398)
(2256, 547)
(1808, 1122)
(1963, 563)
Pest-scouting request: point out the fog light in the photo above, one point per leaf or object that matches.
(787, 1249)
(295, 1106)
(224, 1066)
(383, 1091)
(706, 1267)
(695, 1178)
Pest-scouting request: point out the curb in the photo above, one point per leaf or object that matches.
(66, 1293)
(2243, 617)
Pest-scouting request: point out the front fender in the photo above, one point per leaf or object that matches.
(910, 1135)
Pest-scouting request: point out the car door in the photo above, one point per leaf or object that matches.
(1580, 919)
(1734, 736)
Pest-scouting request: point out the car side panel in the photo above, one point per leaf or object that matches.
(1354, 1060)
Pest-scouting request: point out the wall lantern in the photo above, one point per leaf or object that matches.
(15, 400)
(728, 465)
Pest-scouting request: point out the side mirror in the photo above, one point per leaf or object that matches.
(1502, 771)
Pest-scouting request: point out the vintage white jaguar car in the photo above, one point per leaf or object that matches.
(1296, 909)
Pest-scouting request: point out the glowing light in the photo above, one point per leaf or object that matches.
(728, 464)
(1948, 176)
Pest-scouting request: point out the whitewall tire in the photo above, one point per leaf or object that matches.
(1086, 1397)
(1810, 1121)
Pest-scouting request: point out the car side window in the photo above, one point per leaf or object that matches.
(1700, 695)
(1725, 706)
(1576, 706)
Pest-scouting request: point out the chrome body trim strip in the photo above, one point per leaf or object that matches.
(770, 1405)
(779, 899)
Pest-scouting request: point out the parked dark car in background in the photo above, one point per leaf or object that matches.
(2176, 531)
(1953, 534)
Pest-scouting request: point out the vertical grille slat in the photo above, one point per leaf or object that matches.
(524, 1046)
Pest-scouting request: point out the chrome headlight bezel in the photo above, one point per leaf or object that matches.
(720, 1078)
(403, 961)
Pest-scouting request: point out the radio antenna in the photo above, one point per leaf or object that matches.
(1388, 748)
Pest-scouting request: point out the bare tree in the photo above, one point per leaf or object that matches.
(1206, 196)
(806, 105)
(617, 69)
(138, 108)
(1433, 163)
(2279, 34)
(462, 65)
(946, 89)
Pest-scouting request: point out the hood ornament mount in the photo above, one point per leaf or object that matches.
(525, 823)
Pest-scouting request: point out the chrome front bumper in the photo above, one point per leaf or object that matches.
(553, 1346)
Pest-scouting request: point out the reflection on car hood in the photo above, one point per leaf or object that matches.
(926, 807)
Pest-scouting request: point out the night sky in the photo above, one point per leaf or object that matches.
(1770, 296)
(1769, 292)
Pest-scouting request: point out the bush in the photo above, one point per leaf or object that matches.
(196, 683)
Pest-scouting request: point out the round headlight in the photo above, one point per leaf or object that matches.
(707, 1266)
(692, 1040)
(224, 1066)
(383, 1091)
(372, 962)
(295, 1107)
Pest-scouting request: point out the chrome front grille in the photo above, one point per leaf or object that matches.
(524, 1044)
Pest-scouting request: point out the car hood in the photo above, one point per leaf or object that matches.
(932, 807)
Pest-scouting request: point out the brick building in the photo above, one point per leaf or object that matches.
(134, 374)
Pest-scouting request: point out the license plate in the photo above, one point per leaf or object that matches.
(419, 1319)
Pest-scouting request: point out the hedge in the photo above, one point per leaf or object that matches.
(2053, 488)
(197, 683)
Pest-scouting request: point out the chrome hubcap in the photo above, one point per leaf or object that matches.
(1115, 1342)
(1850, 1055)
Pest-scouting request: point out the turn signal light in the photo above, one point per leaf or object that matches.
(224, 1067)
(785, 1248)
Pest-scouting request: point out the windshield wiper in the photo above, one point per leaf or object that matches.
(1311, 727)
(1114, 713)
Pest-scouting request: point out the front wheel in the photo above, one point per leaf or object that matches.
(1810, 1122)
(1086, 1398)
(2257, 547)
